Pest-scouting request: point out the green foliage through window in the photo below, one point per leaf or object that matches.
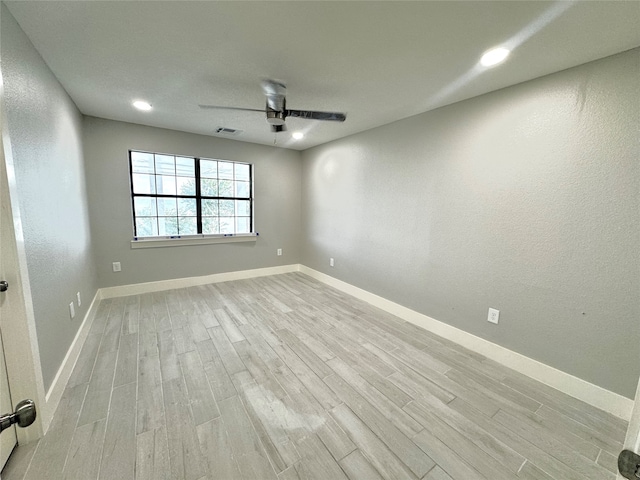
(175, 195)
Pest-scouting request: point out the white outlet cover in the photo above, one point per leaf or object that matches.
(116, 266)
(279, 251)
(331, 262)
(79, 299)
(494, 315)
(72, 310)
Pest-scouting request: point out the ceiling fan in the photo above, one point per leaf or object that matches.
(276, 108)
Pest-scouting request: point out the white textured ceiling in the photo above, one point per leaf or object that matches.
(376, 61)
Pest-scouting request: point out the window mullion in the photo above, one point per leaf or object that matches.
(198, 197)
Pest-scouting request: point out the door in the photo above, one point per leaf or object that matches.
(8, 438)
(632, 442)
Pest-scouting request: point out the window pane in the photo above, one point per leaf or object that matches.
(141, 162)
(187, 225)
(225, 170)
(226, 208)
(242, 172)
(242, 225)
(208, 169)
(146, 227)
(145, 206)
(186, 186)
(187, 207)
(210, 225)
(243, 208)
(227, 225)
(226, 188)
(185, 167)
(143, 183)
(166, 185)
(242, 189)
(168, 226)
(208, 187)
(165, 165)
(167, 207)
(209, 208)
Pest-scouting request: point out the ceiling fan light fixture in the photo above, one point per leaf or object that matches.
(297, 135)
(494, 56)
(142, 105)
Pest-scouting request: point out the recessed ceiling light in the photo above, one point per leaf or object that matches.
(494, 56)
(142, 105)
(297, 135)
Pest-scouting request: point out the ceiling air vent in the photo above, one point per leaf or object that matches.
(228, 131)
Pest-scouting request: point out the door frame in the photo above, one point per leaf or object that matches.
(632, 440)
(22, 353)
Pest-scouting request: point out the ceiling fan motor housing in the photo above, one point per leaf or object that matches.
(275, 117)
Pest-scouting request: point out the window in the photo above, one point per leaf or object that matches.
(174, 195)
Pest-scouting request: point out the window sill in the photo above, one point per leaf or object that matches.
(183, 241)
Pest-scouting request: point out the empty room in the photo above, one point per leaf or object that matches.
(319, 240)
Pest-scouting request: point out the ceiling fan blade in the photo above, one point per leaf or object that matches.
(311, 115)
(230, 108)
(278, 128)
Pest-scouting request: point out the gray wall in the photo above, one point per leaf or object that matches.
(525, 200)
(45, 135)
(277, 204)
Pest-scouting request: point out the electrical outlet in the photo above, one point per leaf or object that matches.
(494, 315)
(116, 267)
(279, 252)
(72, 310)
(79, 299)
(331, 262)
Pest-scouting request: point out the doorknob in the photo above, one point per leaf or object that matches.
(629, 464)
(4, 285)
(24, 415)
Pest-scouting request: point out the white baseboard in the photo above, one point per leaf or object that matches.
(582, 390)
(54, 394)
(162, 285)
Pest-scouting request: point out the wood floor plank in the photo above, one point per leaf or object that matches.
(384, 461)
(433, 412)
(227, 353)
(83, 459)
(96, 404)
(547, 442)
(437, 474)
(152, 455)
(530, 472)
(86, 360)
(119, 451)
(51, 453)
(405, 423)
(272, 419)
(587, 433)
(357, 467)
(417, 461)
(203, 405)
(537, 456)
(316, 462)
(446, 458)
(250, 455)
(150, 404)
(215, 446)
(127, 363)
(185, 457)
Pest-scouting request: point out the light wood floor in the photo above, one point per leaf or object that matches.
(282, 378)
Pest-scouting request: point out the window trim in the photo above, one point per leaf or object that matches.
(198, 238)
